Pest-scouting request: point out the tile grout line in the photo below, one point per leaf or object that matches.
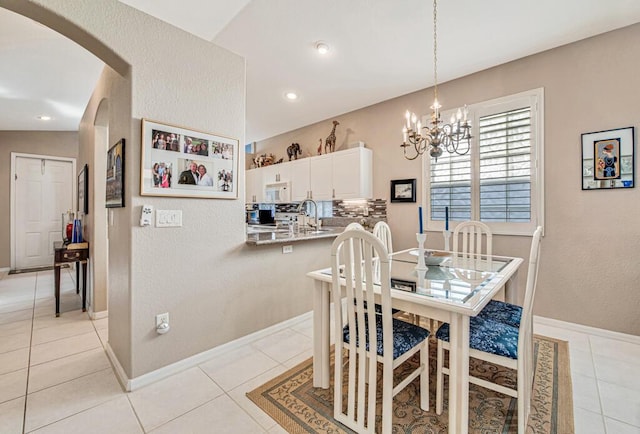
(26, 387)
(71, 415)
(225, 392)
(595, 373)
(26, 394)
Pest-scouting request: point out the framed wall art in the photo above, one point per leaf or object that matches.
(115, 176)
(180, 162)
(83, 188)
(403, 190)
(608, 159)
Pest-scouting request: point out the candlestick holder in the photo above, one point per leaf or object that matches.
(421, 266)
(447, 236)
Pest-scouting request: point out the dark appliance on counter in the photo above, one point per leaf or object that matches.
(252, 217)
(265, 216)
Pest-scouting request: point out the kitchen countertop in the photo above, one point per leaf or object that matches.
(279, 236)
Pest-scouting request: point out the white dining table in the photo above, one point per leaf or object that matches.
(452, 289)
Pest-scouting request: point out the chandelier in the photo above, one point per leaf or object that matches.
(454, 137)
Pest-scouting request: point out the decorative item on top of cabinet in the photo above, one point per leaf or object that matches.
(264, 160)
(293, 150)
(330, 142)
(320, 147)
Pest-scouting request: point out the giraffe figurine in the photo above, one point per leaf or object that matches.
(330, 142)
(320, 148)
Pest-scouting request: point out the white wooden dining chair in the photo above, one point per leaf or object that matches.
(383, 232)
(354, 225)
(468, 239)
(368, 337)
(501, 343)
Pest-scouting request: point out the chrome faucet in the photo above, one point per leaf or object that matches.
(315, 205)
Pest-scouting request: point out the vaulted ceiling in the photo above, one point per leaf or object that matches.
(378, 49)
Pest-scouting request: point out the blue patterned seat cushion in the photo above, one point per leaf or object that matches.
(489, 336)
(504, 312)
(405, 336)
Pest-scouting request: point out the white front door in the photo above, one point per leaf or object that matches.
(43, 191)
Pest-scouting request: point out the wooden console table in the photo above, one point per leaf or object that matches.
(67, 253)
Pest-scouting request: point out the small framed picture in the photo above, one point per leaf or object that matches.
(608, 159)
(403, 190)
(83, 188)
(115, 176)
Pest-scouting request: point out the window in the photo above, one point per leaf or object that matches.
(499, 181)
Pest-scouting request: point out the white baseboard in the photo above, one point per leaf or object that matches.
(131, 384)
(117, 367)
(632, 339)
(2, 270)
(98, 315)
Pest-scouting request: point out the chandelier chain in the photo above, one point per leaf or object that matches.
(435, 48)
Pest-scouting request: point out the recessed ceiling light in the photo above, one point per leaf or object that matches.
(322, 47)
(44, 118)
(292, 96)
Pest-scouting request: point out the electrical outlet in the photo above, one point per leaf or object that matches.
(163, 317)
(287, 249)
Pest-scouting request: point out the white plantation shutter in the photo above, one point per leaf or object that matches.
(451, 186)
(500, 180)
(505, 166)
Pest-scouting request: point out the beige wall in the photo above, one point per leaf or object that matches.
(590, 263)
(55, 143)
(109, 112)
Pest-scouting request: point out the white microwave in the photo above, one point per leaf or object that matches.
(277, 192)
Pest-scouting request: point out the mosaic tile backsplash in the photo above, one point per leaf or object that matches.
(375, 209)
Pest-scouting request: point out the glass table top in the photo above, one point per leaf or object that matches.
(447, 278)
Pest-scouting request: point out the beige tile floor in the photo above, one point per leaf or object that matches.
(56, 378)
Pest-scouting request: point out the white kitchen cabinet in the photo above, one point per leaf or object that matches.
(276, 173)
(339, 175)
(253, 186)
(352, 174)
(300, 187)
(320, 177)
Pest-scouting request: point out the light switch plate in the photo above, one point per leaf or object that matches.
(166, 218)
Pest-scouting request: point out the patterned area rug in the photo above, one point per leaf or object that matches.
(293, 402)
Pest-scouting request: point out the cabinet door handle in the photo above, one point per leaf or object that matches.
(333, 194)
